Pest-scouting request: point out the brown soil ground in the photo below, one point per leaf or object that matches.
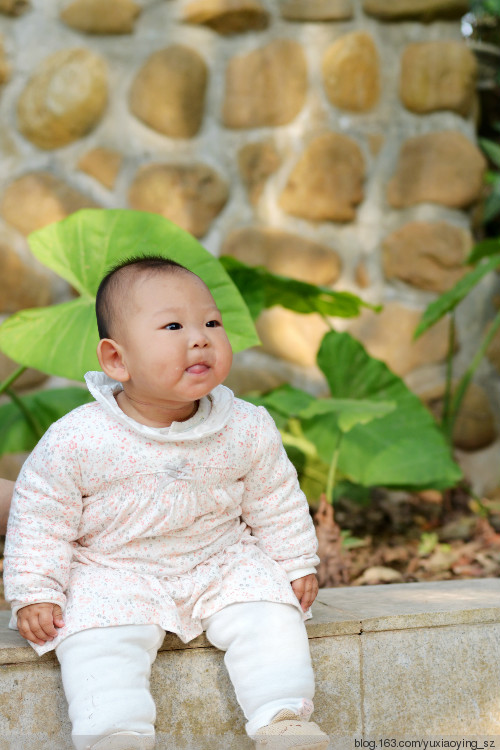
(402, 537)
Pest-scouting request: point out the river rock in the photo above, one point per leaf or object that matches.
(103, 164)
(493, 351)
(250, 373)
(351, 72)
(228, 16)
(442, 167)
(10, 466)
(4, 65)
(390, 10)
(291, 336)
(284, 253)
(29, 379)
(168, 93)
(64, 99)
(21, 286)
(317, 10)
(388, 336)
(37, 199)
(266, 87)
(475, 424)
(97, 17)
(14, 7)
(362, 276)
(326, 183)
(428, 256)
(438, 75)
(257, 161)
(190, 196)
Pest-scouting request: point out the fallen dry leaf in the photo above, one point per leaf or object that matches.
(378, 574)
(332, 570)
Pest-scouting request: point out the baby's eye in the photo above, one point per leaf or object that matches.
(173, 326)
(213, 324)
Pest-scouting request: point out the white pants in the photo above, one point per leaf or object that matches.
(105, 673)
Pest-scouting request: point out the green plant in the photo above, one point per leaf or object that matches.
(484, 23)
(61, 340)
(489, 7)
(373, 431)
(485, 257)
(491, 206)
(262, 289)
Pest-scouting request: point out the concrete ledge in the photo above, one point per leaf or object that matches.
(416, 660)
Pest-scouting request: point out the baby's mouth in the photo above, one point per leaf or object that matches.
(198, 369)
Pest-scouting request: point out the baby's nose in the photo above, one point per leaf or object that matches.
(200, 339)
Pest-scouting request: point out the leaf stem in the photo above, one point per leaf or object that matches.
(330, 482)
(29, 417)
(449, 376)
(327, 321)
(469, 373)
(8, 381)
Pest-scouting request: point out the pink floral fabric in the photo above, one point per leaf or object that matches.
(121, 523)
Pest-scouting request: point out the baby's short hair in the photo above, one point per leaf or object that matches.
(116, 279)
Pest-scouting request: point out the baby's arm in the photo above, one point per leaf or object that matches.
(43, 523)
(277, 511)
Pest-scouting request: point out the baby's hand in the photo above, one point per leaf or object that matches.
(306, 590)
(38, 622)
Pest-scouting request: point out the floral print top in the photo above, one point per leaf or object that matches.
(121, 523)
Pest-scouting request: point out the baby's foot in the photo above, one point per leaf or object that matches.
(287, 730)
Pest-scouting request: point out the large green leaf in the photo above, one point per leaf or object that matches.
(349, 411)
(484, 249)
(61, 340)
(491, 149)
(282, 403)
(288, 400)
(491, 207)
(404, 448)
(261, 289)
(45, 407)
(450, 299)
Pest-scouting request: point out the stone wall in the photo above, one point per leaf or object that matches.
(331, 140)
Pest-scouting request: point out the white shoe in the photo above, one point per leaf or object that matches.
(287, 730)
(125, 741)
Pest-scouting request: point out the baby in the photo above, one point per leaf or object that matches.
(165, 505)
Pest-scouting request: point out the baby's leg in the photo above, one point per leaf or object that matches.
(267, 657)
(105, 674)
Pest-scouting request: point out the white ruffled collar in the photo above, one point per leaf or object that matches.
(212, 414)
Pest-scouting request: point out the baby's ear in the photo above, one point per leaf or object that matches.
(110, 357)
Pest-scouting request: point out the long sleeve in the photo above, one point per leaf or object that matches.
(43, 523)
(274, 506)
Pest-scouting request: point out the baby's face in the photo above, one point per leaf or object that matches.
(173, 341)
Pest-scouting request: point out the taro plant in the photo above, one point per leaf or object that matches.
(485, 258)
(373, 431)
(61, 340)
(491, 206)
